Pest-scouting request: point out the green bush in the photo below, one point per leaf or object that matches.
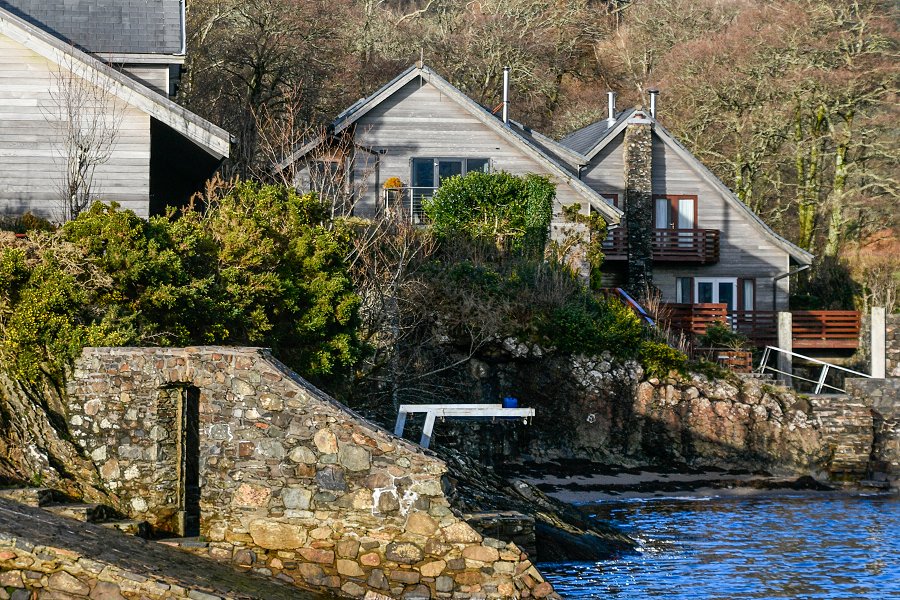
(659, 359)
(721, 335)
(261, 265)
(512, 211)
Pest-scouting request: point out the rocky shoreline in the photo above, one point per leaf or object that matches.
(579, 482)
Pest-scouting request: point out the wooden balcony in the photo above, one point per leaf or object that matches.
(698, 246)
(821, 329)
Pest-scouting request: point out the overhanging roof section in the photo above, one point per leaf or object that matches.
(509, 133)
(214, 140)
(107, 26)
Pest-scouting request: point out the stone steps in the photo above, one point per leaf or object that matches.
(130, 527)
(33, 496)
(84, 512)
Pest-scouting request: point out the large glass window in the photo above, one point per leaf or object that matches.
(430, 172)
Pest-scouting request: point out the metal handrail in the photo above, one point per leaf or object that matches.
(409, 200)
(820, 382)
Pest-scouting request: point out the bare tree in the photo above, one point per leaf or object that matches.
(88, 117)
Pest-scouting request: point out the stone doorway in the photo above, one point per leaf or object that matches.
(188, 453)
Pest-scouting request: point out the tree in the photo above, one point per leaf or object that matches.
(87, 116)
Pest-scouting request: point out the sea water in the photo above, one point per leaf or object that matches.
(812, 546)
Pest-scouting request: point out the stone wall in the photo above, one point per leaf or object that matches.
(892, 345)
(603, 410)
(882, 399)
(293, 484)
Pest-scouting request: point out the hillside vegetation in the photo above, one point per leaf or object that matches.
(792, 103)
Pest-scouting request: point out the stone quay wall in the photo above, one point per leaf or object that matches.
(57, 573)
(882, 399)
(892, 345)
(293, 485)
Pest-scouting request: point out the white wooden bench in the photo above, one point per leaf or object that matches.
(432, 411)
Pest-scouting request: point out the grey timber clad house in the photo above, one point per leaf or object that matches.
(421, 129)
(706, 246)
(126, 56)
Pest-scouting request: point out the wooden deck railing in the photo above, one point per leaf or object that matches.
(698, 246)
(837, 329)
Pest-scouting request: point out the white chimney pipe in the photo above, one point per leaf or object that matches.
(611, 101)
(505, 95)
(653, 94)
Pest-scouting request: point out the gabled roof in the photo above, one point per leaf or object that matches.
(589, 140)
(212, 139)
(607, 134)
(107, 26)
(510, 133)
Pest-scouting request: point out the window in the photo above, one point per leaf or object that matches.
(430, 172)
(683, 288)
(748, 294)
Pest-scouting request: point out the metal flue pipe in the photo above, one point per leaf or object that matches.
(653, 94)
(506, 95)
(611, 102)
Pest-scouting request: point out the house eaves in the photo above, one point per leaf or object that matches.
(214, 140)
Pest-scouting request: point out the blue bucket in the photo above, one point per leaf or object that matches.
(510, 402)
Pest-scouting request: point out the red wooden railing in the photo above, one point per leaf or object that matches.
(699, 246)
(837, 329)
(826, 328)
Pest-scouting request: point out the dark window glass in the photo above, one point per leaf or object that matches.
(423, 172)
(477, 164)
(449, 168)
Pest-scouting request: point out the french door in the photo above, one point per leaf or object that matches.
(678, 213)
(716, 290)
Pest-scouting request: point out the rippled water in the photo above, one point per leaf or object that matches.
(812, 547)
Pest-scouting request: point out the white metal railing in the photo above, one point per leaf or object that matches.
(407, 201)
(820, 382)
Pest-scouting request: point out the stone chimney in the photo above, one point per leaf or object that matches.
(639, 202)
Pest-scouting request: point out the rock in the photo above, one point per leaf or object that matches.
(331, 478)
(325, 441)
(63, 582)
(296, 498)
(251, 496)
(276, 536)
(104, 590)
(349, 568)
(354, 458)
(421, 524)
(302, 454)
(404, 553)
(461, 533)
(433, 569)
(481, 553)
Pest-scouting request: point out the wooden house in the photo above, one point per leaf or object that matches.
(71, 68)
(708, 247)
(416, 131)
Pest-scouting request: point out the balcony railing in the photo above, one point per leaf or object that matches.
(837, 329)
(406, 202)
(700, 246)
